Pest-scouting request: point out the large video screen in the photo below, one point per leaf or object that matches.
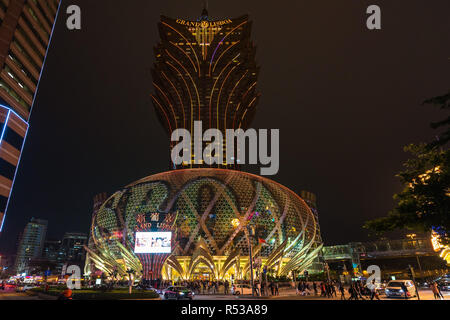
(153, 242)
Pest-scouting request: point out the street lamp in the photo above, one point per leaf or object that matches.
(327, 267)
(251, 231)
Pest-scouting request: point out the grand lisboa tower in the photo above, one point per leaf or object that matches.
(217, 215)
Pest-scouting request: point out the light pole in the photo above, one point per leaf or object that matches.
(327, 267)
(250, 234)
(251, 231)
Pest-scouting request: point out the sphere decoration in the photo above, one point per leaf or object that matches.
(210, 212)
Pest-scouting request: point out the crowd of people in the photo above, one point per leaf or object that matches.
(331, 289)
(225, 287)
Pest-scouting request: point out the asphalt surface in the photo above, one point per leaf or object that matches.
(284, 295)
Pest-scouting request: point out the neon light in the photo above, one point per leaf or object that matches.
(192, 62)
(212, 92)
(220, 91)
(229, 97)
(31, 108)
(179, 97)
(196, 58)
(221, 42)
(217, 61)
(195, 87)
(165, 114)
(171, 106)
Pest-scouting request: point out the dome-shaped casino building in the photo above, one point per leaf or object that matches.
(211, 213)
(204, 70)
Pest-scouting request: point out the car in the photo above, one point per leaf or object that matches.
(146, 288)
(23, 288)
(379, 287)
(394, 289)
(444, 284)
(177, 293)
(239, 289)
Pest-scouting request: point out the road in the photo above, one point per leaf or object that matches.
(284, 295)
(12, 295)
(290, 295)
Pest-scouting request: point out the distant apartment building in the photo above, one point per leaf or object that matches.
(31, 244)
(72, 247)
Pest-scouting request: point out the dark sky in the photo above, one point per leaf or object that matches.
(346, 101)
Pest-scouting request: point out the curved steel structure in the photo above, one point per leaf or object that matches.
(207, 204)
(205, 71)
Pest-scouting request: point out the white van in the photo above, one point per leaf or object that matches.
(394, 289)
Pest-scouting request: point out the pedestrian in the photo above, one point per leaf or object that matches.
(342, 291)
(439, 290)
(373, 291)
(405, 290)
(435, 290)
(315, 288)
(226, 285)
(333, 290)
(276, 289)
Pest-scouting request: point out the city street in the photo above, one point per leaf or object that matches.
(290, 295)
(284, 295)
(12, 295)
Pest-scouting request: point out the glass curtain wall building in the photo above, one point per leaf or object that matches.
(31, 244)
(25, 33)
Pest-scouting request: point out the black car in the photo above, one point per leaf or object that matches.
(177, 293)
(444, 285)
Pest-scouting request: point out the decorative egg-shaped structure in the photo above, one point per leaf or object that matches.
(214, 215)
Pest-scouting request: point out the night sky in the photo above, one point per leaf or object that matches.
(346, 101)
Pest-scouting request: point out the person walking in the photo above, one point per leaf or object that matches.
(435, 290)
(405, 290)
(276, 289)
(342, 291)
(333, 290)
(373, 291)
(272, 288)
(315, 288)
(226, 285)
(439, 291)
(258, 289)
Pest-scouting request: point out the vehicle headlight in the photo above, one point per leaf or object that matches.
(181, 293)
(401, 290)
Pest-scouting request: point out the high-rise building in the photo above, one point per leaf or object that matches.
(51, 250)
(311, 200)
(25, 34)
(205, 70)
(72, 246)
(31, 244)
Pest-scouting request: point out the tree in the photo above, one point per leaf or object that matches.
(424, 203)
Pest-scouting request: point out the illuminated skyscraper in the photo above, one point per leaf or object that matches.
(205, 70)
(31, 244)
(25, 34)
